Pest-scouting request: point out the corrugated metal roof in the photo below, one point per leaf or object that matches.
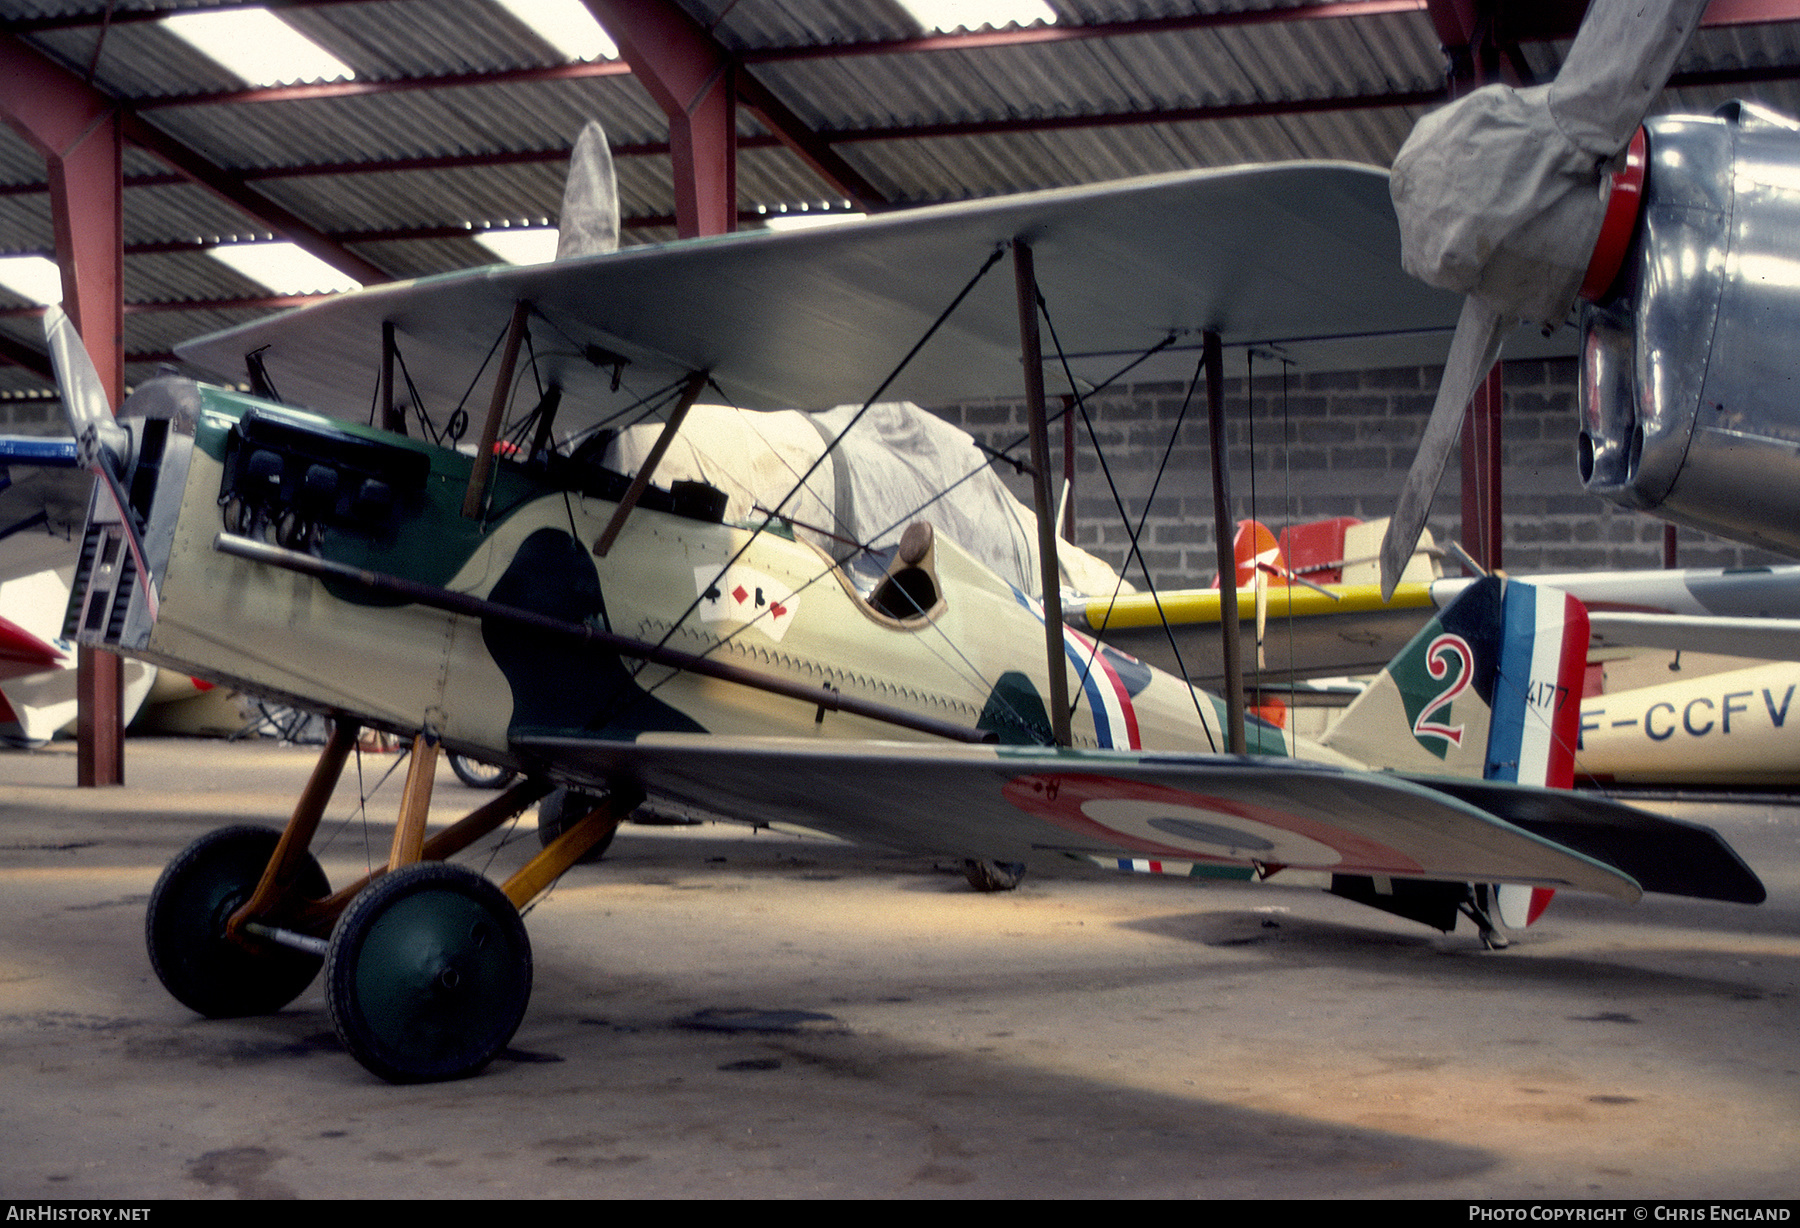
(788, 23)
(420, 123)
(184, 211)
(921, 124)
(414, 38)
(25, 224)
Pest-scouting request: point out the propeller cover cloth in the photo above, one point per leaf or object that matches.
(1500, 194)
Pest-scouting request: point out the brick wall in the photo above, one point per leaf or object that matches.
(32, 416)
(1338, 444)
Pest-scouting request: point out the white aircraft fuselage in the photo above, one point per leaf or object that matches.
(972, 657)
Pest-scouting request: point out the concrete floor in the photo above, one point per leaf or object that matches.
(1088, 1035)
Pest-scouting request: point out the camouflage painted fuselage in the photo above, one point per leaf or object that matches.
(208, 461)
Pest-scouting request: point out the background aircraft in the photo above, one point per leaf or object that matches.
(1508, 197)
(43, 504)
(1314, 600)
(1679, 237)
(1720, 730)
(43, 501)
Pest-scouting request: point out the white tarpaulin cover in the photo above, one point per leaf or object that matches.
(898, 465)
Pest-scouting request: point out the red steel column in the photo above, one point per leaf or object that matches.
(86, 190)
(693, 81)
(77, 130)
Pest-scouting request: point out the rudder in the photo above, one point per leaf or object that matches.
(1490, 688)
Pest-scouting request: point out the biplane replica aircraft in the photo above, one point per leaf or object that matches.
(520, 603)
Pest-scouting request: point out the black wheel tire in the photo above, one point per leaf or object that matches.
(561, 809)
(428, 974)
(989, 876)
(478, 775)
(185, 927)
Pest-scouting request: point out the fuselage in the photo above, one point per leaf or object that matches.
(959, 645)
(1735, 728)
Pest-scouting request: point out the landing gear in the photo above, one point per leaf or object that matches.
(564, 808)
(428, 974)
(427, 966)
(1502, 910)
(1479, 908)
(478, 775)
(185, 929)
(988, 876)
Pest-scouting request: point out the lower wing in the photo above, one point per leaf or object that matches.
(1017, 804)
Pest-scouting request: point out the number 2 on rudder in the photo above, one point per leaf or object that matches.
(1437, 664)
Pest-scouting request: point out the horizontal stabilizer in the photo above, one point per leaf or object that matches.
(1662, 854)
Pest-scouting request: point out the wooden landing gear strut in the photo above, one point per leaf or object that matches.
(428, 967)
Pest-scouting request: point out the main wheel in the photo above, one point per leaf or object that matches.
(561, 809)
(185, 927)
(988, 876)
(428, 974)
(479, 775)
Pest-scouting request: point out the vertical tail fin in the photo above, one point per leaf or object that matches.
(1491, 688)
(1537, 694)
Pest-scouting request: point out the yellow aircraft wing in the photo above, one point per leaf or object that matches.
(1345, 630)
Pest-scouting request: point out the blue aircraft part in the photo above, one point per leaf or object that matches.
(49, 451)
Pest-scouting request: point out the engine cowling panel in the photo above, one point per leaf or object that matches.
(1690, 389)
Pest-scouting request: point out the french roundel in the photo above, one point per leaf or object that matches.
(1159, 821)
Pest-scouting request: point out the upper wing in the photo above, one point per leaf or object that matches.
(1304, 256)
(1016, 804)
(1768, 639)
(1747, 612)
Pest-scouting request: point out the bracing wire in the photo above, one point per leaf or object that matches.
(1125, 517)
(770, 516)
(930, 332)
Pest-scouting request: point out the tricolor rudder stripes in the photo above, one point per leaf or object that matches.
(1491, 688)
(1537, 688)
